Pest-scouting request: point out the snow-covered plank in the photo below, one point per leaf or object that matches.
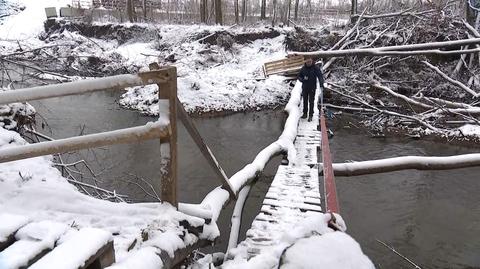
(145, 258)
(292, 204)
(77, 251)
(34, 241)
(9, 224)
(293, 194)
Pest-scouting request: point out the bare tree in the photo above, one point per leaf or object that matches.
(144, 7)
(354, 7)
(130, 11)
(218, 12)
(263, 10)
(203, 10)
(296, 10)
(289, 3)
(274, 16)
(244, 10)
(237, 20)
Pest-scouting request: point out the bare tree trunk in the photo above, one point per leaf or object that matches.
(237, 20)
(354, 7)
(168, 10)
(129, 7)
(203, 10)
(218, 12)
(288, 12)
(244, 10)
(296, 10)
(263, 10)
(144, 10)
(274, 17)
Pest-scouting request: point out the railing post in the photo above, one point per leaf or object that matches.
(168, 92)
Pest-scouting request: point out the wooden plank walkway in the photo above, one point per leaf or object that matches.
(294, 192)
(48, 244)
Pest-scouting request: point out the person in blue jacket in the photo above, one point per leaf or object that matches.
(308, 75)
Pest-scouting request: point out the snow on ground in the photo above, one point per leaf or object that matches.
(470, 130)
(330, 250)
(214, 79)
(312, 244)
(211, 78)
(9, 114)
(29, 22)
(33, 188)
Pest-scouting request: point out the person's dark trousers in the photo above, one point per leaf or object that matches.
(308, 100)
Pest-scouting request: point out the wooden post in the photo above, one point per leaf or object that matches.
(168, 91)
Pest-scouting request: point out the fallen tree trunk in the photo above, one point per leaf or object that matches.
(413, 49)
(441, 102)
(466, 109)
(471, 29)
(452, 81)
(381, 52)
(405, 163)
(377, 85)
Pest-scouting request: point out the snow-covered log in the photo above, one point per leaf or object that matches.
(407, 162)
(78, 87)
(151, 130)
(373, 109)
(379, 52)
(402, 50)
(377, 85)
(237, 217)
(441, 102)
(459, 108)
(471, 29)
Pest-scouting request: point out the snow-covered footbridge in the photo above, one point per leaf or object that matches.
(99, 234)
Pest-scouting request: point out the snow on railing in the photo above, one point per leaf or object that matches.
(151, 130)
(83, 86)
(164, 128)
(405, 163)
(159, 129)
(219, 197)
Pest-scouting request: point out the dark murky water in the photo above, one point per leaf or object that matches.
(234, 139)
(431, 217)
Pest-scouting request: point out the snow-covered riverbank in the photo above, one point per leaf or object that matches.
(217, 74)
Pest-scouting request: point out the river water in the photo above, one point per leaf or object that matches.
(431, 217)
